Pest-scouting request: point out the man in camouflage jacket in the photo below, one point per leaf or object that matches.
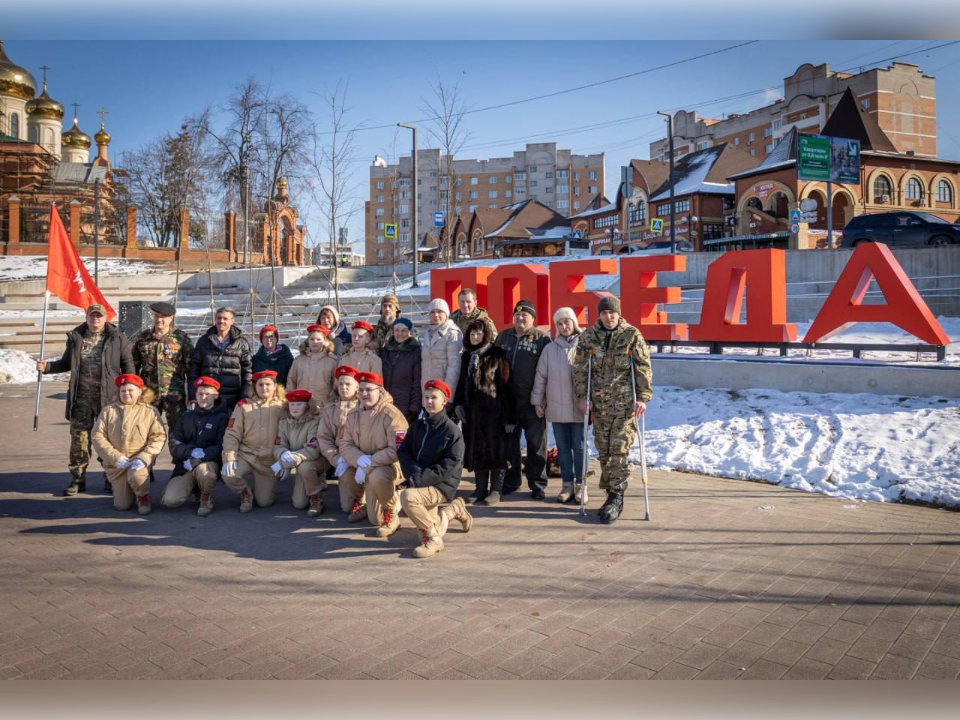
(470, 311)
(161, 355)
(613, 342)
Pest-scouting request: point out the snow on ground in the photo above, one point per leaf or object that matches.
(13, 269)
(18, 368)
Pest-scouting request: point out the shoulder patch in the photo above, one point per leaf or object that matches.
(399, 436)
(241, 402)
(230, 422)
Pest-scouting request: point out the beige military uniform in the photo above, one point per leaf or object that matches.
(362, 361)
(299, 437)
(249, 440)
(314, 372)
(330, 423)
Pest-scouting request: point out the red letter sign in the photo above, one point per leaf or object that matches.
(764, 273)
(568, 285)
(510, 283)
(447, 283)
(904, 308)
(640, 296)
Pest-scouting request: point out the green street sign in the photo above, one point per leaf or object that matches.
(813, 157)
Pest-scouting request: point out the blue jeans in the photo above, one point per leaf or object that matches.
(569, 437)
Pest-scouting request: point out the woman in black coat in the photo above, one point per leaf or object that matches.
(485, 405)
(401, 369)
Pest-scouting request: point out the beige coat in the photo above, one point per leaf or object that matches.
(440, 348)
(330, 427)
(553, 384)
(132, 431)
(314, 372)
(377, 432)
(299, 436)
(252, 430)
(362, 361)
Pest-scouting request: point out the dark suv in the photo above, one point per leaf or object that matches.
(900, 228)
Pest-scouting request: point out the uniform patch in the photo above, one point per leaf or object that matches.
(209, 426)
(241, 402)
(400, 435)
(231, 422)
(313, 442)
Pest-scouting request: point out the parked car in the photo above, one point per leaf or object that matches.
(662, 247)
(900, 228)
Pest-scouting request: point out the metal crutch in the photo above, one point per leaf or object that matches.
(586, 447)
(642, 438)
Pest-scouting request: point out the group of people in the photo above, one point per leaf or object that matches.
(393, 415)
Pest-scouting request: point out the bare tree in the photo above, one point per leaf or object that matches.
(332, 157)
(446, 129)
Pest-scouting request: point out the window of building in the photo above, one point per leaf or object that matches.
(914, 190)
(576, 204)
(404, 194)
(768, 148)
(711, 232)
(379, 226)
(520, 176)
(563, 203)
(443, 207)
(405, 237)
(576, 177)
(508, 178)
(944, 192)
(533, 168)
(507, 193)
(608, 221)
(563, 189)
(638, 214)
(380, 185)
(443, 180)
(459, 182)
(433, 173)
(777, 124)
(663, 209)
(550, 189)
(751, 137)
(472, 208)
(563, 174)
(474, 195)
(592, 189)
(443, 194)
(494, 206)
(404, 182)
(492, 180)
(703, 145)
(380, 239)
(433, 188)
(379, 252)
(680, 207)
(592, 175)
(882, 189)
(533, 183)
(548, 175)
(405, 209)
(379, 212)
(753, 152)
(576, 192)
(736, 142)
(474, 181)
(520, 191)
(767, 132)
(549, 203)
(405, 223)
(379, 198)
(459, 196)
(491, 194)
(433, 203)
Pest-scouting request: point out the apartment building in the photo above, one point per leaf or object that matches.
(557, 178)
(900, 97)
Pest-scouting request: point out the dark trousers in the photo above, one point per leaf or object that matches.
(534, 431)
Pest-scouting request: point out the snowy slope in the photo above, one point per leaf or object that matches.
(14, 269)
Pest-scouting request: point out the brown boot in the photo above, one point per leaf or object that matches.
(389, 523)
(358, 512)
(316, 506)
(429, 545)
(461, 515)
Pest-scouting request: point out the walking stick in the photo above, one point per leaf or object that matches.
(642, 438)
(586, 425)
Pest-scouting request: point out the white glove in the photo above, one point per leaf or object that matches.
(229, 468)
(137, 464)
(287, 457)
(342, 467)
(188, 465)
(360, 476)
(123, 463)
(277, 468)
(197, 454)
(364, 461)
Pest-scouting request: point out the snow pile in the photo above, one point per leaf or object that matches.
(17, 368)
(13, 269)
(858, 446)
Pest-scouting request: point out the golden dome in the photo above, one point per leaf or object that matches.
(281, 183)
(75, 137)
(15, 80)
(102, 137)
(45, 107)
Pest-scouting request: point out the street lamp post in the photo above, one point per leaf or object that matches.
(673, 211)
(413, 212)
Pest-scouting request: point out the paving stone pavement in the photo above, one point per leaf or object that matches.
(731, 579)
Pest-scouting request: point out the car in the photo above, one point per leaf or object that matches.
(662, 247)
(901, 229)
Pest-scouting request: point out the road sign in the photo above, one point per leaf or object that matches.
(577, 234)
(795, 228)
(809, 217)
(808, 204)
(656, 225)
(796, 216)
(390, 231)
(438, 219)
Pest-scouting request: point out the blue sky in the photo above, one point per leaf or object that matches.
(149, 86)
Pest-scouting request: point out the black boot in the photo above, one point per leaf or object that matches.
(482, 479)
(612, 507)
(77, 485)
(496, 487)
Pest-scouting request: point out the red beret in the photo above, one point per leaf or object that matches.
(208, 381)
(272, 374)
(317, 328)
(439, 385)
(370, 377)
(362, 325)
(299, 396)
(346, 370)
(269, 328)
(129, 379)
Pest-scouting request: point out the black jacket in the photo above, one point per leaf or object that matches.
(117, 359)
(488, 405)
(199, 428)
(431, 454)
(401, 373)
(231, 367)
(523, 354)
(281, 361)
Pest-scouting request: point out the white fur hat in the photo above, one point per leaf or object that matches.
(569, 314)
(439, 304)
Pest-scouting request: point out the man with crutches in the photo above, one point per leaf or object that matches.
(613, 360)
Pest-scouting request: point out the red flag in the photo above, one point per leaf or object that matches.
(67, 277)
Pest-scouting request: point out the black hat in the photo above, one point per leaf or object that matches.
(164, 308)
(525, 306)
(609, 303)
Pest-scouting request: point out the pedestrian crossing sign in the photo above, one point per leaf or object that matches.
(390, 231)
(656, 225)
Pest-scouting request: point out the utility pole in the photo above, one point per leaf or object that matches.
(414, 193)
(673, 211)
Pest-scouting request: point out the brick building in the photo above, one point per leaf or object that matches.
(558, 179)
(901, 99)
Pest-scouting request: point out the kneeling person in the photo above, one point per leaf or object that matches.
(297, 450)
(249, 441)
(431, 458)
(129, 435)
(195, 445)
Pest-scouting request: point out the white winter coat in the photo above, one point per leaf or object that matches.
(553, 384)
(440, 347)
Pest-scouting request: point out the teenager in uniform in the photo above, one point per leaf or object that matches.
(359, 355)
(330, 425)
(297, 451)
(313, 370)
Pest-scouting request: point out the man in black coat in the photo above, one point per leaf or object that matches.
(224, 355)
(524, 343)
(195, 445)
(431, 460)
(96, 353)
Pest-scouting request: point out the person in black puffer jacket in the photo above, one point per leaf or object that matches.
(431, 460)
(400, 356)
(195, 446)
(224, 355)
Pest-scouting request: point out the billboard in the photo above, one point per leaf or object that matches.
(828, 159)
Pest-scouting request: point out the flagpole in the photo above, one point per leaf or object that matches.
(43, 339)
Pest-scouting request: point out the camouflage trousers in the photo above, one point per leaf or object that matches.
(82, 419)
(172, 406)
(613, 437)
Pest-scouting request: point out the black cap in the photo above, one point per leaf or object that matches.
(525, 306)
(164, 308)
